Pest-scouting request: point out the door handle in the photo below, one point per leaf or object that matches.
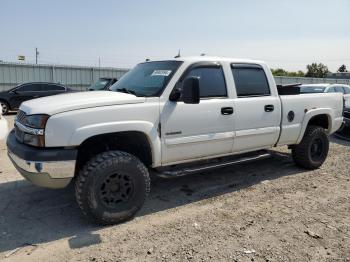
(269, 108)
(227, 110)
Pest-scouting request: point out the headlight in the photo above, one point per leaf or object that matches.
(31, 129)
(36, 121)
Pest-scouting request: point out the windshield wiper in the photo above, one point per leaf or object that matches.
(125, 90)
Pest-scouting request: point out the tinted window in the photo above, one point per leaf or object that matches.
(339, 89)
(52, 88)
(250, 81)
(29, 88)
(211, 81)
(347, 89)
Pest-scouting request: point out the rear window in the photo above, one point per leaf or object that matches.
(50, 87)
(346, 89)
(29, 88)
(250, 80)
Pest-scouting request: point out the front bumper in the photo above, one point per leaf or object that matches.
(45, 167)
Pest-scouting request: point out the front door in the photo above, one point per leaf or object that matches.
(193, 131)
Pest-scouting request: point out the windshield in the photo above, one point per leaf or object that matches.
(99, 85)
(312, 89)
(147, 79)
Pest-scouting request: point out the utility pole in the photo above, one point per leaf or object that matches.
(36, 55)
(99, 62)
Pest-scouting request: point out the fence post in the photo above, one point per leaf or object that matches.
(53, 74)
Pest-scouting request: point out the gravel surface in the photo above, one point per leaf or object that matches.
(263, 211)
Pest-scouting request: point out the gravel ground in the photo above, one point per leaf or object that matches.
(264, 211)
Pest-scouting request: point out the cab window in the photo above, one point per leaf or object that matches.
(211, 81)
(250, 80)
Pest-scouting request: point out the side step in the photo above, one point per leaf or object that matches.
(202, 166)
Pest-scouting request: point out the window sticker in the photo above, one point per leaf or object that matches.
(161, 73)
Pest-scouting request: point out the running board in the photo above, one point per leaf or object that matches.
(177, 172)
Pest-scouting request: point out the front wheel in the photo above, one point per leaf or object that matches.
(313, 148)
(112, 187)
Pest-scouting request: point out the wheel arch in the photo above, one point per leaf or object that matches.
(136, 143)
(317, 117)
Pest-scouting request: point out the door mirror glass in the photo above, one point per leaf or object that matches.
(190, 90)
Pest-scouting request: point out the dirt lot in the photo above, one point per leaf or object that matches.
(263, 211)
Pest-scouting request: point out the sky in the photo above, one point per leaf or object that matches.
(112, 33)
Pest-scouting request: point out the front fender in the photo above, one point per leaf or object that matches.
(147, 128)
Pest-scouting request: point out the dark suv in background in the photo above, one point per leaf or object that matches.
(12, 99)
(103, 83)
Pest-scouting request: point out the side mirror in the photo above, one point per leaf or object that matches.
(190, 90)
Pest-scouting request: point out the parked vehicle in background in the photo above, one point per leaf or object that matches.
(344, 130)
(326, 88)
(12, 99)
(102, 84)
(171, 118)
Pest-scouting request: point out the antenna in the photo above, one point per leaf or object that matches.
(203, 54)
(179, 54)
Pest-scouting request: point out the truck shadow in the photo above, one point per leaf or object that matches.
(32, 216)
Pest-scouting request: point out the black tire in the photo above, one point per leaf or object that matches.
(4, 107)
(313, 148)
(112, 187)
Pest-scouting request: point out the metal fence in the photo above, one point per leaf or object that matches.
(76, 77)
(79, 77)
(283, 80)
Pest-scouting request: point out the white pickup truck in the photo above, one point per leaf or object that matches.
(167, 118)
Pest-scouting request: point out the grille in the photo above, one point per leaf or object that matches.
(21, 117)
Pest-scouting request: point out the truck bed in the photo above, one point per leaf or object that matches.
(301, 106)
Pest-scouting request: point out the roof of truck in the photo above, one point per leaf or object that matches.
(214, 59)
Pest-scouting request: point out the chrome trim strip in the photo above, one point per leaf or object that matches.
(55, 169)
(29, 130)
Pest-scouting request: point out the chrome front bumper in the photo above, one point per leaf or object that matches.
(51, 174)
(46, 167)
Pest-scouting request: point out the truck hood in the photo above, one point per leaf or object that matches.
(72, 101)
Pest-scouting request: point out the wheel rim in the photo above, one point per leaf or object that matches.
(116, 189)
(316, 149)
(3, 107)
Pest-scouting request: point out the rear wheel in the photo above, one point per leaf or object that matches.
(112, 187)
(313, 148)
(4, 107)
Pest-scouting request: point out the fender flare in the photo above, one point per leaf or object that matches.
(312, 113)
(147, 128)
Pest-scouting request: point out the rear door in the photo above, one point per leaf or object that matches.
(257, 109)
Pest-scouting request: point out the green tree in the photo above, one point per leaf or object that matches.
(342, 69)
(317, 70)
(282, 72)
